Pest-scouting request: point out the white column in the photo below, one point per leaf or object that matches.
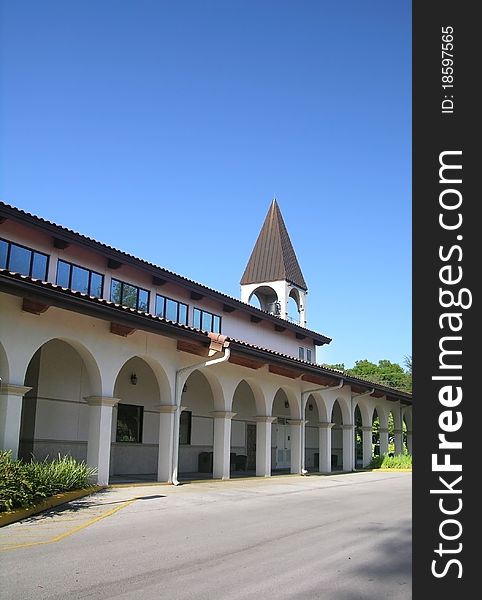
(324, 435)
(222, 443)
(397, 435)
(296, 433)
(367, 446)
(409, 443)
(263, 446)
(100, 429)
(383, 441)
(166, 428)
(348, 447)
(10, 416)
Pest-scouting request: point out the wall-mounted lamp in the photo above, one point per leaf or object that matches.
(184, 388)
(310, 406)
(133, 379)
(287, 404)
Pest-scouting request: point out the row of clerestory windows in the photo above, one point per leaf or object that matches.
(26, 261)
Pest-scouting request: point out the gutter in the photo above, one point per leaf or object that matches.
(218, 344)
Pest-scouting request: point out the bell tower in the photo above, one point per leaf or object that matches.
(273, 273)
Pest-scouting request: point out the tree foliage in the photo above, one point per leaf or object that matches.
(385, 373)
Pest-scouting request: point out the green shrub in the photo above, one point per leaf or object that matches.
(399, 461)
(25, 483)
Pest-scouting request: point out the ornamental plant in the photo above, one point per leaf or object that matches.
(23, 484)
(387, 461)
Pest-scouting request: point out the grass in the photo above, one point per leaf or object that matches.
(397, 461)
(23, 484)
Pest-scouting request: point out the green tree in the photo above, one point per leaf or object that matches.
(385, 373)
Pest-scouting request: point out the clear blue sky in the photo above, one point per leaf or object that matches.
(165, 128)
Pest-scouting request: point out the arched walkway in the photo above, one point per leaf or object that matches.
(55, 413)
(312, 438)
(337, 441)
(196, 432)
(243, 429)
(135, 443)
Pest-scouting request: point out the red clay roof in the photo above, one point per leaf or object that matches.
(44, 287)
(74, 236)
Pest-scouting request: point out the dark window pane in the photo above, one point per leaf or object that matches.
(63, 272)
(3, 254)
(171, 310)
(197, 318)
(20, 260)
(216, 324)
(185, 427)
(302, 353)
(80, 279)
(308, 355)
(160, 306)
(183, 314)
(96, 285)
(129, 295)
(129, 423)
(143, 300)
(115, 291)
(39, 266)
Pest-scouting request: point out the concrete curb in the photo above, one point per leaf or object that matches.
(6, 518)
(386, 470)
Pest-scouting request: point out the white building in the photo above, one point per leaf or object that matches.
(144, 373)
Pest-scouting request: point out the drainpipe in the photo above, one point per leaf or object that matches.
(304, 396)
(368, 393)
(218, 344)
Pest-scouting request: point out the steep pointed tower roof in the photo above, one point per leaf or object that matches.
(273, 257)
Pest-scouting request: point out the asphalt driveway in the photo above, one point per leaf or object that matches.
(337, 537)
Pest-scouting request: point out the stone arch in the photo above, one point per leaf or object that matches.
(61, 373)
(260, 399)
(365, 412)
(286, 408)
(4, 366)
(311, 437)
(284, 395)
(267, 297)
(88, 357)
(382, 413)
(358, 435)
(243, 427)
(407, 417)
(135, 419)
(339, 418)
(345, 408)
(324, 410)
(396, 416)
(294, 305)
(245, 391)
(136, 382)
(166, 393)
(219, 400)
(202, 395)
(407, 429)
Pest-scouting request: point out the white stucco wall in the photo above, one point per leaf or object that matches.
(236, 324)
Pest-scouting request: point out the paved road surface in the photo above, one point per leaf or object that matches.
(338, 537)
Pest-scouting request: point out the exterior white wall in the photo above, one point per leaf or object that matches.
(236, 324)
(80, 358)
